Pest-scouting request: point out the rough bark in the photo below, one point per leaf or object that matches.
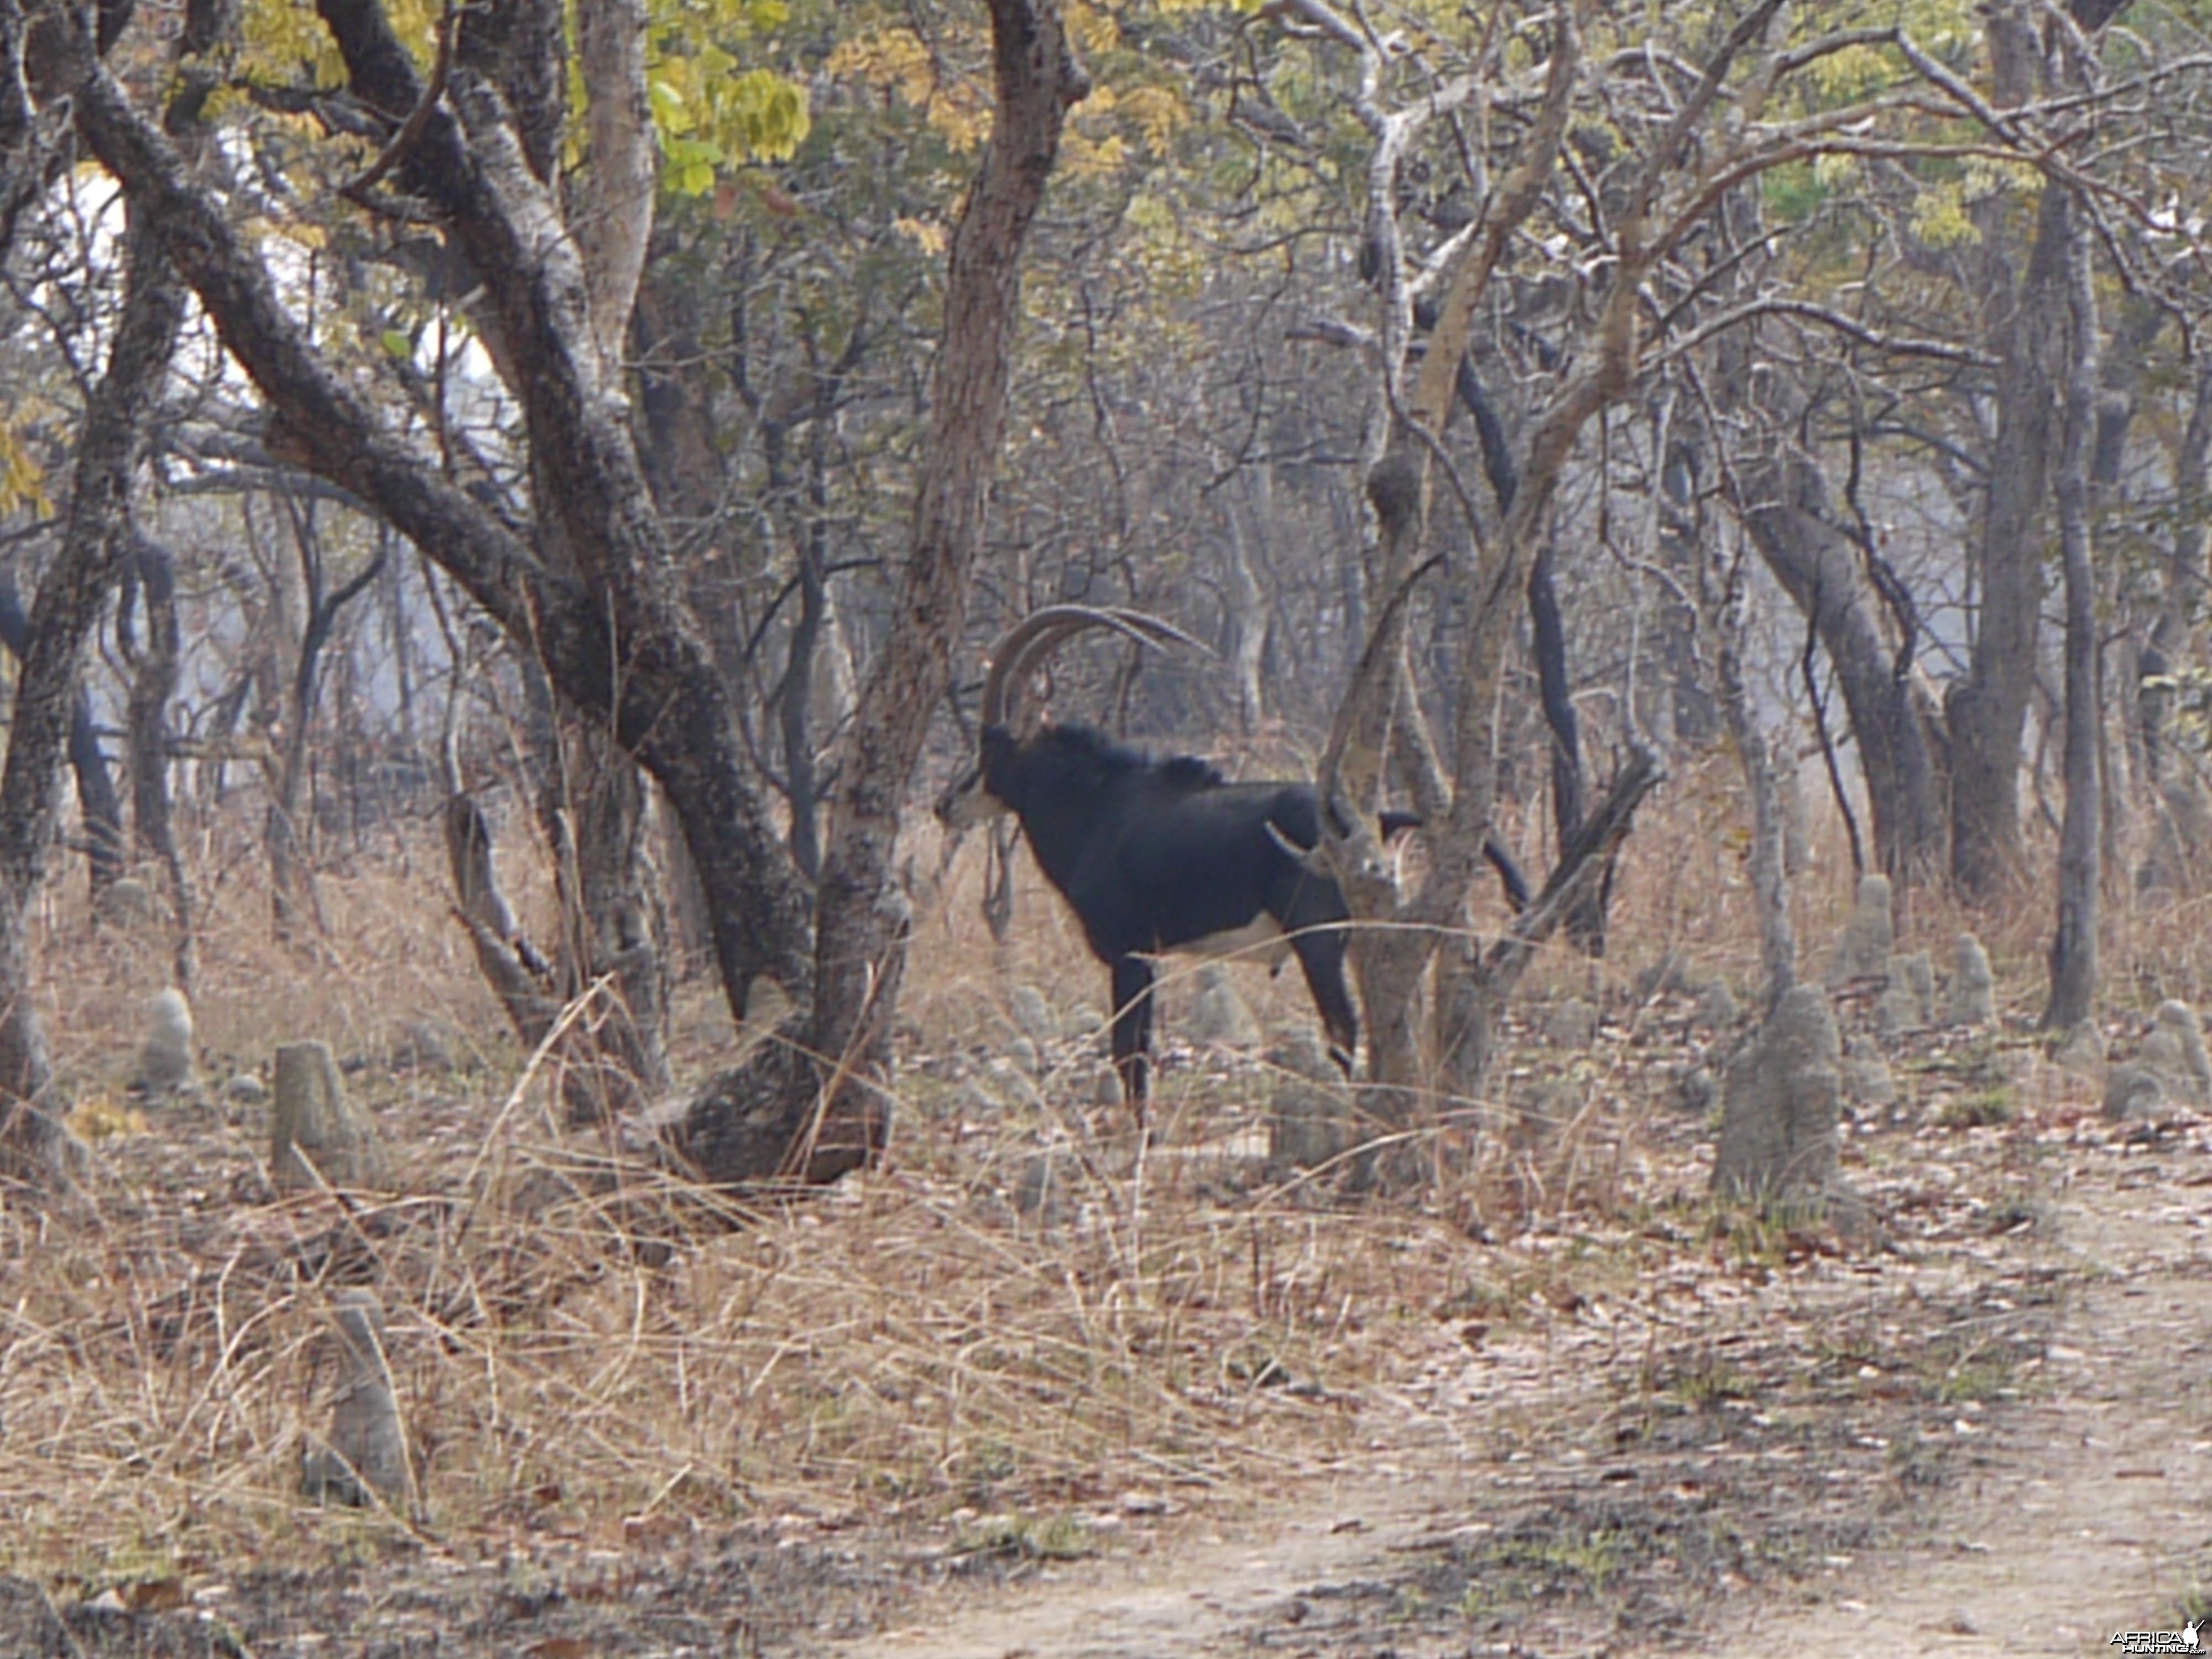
(1783, 501)
(99, 807)
(811, 1106)
(1770, 874)
(613, 216)
(2073, 944)
(597, 818)
(1987, 708)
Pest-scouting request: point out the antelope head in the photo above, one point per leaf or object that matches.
(1010, 715)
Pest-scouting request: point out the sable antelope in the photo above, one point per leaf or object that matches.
(1155, 856)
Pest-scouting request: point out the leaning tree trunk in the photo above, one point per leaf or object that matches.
(1785, 504)
(76, 587)
(2074, 946)
(812, 1106)
(291, 876)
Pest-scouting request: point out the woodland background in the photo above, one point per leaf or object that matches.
(545, 479)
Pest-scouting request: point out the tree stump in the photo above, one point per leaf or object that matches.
(320, 1136)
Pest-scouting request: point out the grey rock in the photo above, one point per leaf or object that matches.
(1040, 1189)
(1538, 1112)
(1105, 1087)
(365, 1458)
(1033, 1016)
(1303, 1056)
(422, 1045)
(1973, 987)
(978, 1099)
(1309, 1124)
(1916, 972)
(1311, 1120)
(318, 1136)
(2132, 1092)
(1572, 1023)
(1868, 1082)
(1217, 1014)
(1717, 1006)
(1695, 1090)
(2175, 1051)
(1869, 933)
(165, 1063)
(2082, 1053)
(1897, 1010)
(1024, 1053)
(246, 1089)
(1010, 1081)
(128, 902)
(34, 1627)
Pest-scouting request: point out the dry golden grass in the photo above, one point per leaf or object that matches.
(910, 1345)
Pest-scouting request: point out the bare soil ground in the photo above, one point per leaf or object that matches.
(2008, 1452)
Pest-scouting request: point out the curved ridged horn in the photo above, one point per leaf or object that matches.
(1018, 652)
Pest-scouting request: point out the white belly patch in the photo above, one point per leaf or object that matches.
(1259, 939)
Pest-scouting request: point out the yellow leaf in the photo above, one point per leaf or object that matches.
(926, 234)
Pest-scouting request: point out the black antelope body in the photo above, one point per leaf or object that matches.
(1155, 856)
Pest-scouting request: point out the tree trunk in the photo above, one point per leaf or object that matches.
(98, 805)
(1987, 708)
(2074, 946)
(152, 586)
(812, 1106)
(1770, 871)
(291, 878)
(1586, 924)
(77, 585)
(614, 927)
(1247, 604)
(1785, 503)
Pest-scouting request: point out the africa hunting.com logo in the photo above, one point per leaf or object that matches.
(2187, 1639)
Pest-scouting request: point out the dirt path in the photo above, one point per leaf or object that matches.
(2090, 1512)
(1197, 1596)
(2081, 1510)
